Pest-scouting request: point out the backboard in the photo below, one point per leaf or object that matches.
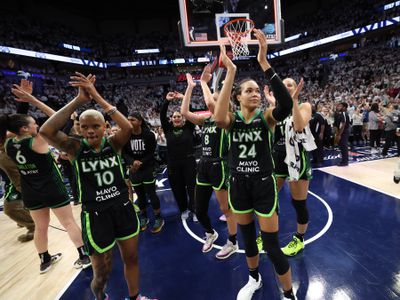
(202, 21)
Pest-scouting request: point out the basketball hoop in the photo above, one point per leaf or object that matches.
(237, 31)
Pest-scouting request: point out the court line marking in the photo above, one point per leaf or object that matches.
(363, 185)
(192, 234)
(67, 285)
(306, 242)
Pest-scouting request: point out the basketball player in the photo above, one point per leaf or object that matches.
(139, 156)
(300, 175)
(252, 185)
(41, 181)
(108, 216)
(211, 169)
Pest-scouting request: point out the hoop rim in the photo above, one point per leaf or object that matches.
(226, 29)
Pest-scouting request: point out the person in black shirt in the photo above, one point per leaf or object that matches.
(342, 133)
(139, 157)
(317, 127)
(108, 216)
(252, 185)
(181, 160)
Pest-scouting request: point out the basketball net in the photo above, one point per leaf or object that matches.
(237, 32)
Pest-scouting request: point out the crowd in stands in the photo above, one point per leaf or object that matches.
(23, 32)
(343, 16)
(368, 74)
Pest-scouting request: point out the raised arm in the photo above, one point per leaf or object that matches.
(301, 113)
(51, 130)
(122, 136)
(195, 119)
(24, 94)
(204, 80)
(223, 118)
(284, 102)
(23, 107)
(163, 112)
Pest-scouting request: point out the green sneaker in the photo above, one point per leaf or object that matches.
(259, 242)
(294, 247)
(158, 225)
(143, 223)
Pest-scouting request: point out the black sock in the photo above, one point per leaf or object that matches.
(45, 257)
(289, 294)
(81, 251)
(133, 297)
(157, 215)
(254, 273)
(232, 239)
(143, 214)
(300, 236)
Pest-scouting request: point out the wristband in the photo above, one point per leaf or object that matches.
(111, 111)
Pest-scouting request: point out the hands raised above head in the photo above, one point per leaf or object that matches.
(190, 80)
(296, 93)
(229, 65)
(85, 85)
(206, 75)
(23, 92)
(174, 95)
(262, 49)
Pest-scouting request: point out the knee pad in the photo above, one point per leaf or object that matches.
(274, 252)
(249, 238)
(301, 211)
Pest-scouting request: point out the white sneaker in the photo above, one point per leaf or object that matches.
(227, 250)
(210, 238)
(195, 218)
(185, 215)
(246, 292)
(222, 218)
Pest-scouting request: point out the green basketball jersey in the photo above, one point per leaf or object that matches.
(100, 177)
(39, 172)
(214, 141)
(250, 146)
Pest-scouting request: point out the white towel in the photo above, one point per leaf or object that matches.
(292, 141)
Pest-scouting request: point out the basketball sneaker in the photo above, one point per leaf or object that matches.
(158, 225)
(249, 289)
(210, 238)
(46, 266)
(294, 247)
(227, 250)
(82, 263)
(185, 215)
(143, 223)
